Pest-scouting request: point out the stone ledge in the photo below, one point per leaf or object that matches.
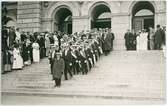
(28, 20)
(31, 15)
(37, 11)
(29, 6)
(29, 25)
(79, 94)
(28, 2)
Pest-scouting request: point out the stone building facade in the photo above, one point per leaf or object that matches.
(75, 16)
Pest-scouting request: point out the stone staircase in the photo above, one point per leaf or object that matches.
(122, 74)
(35, 76)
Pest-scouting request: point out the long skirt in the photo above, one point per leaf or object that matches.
(151, 44)
(47, 51)
(141, 45)
(36, 55)
(7, 62)
(17, 62)
(164, 50)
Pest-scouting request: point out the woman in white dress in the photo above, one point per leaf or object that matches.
(17, 59)
(36, 54)
(151, 38)
(47, 44)
(142, 40)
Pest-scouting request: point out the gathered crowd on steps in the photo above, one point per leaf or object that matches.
(68, 53)
(71, 54)
(78, 54)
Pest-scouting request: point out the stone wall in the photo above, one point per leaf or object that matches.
(29, 16)
(33, 16)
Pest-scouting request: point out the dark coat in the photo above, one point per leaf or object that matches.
(25, 52)
(7, 57)
(159, 36)
(68, 58)
(107, 42)
(112, 36)
(23, 37)
(4, 39)
(128, 38)
(58, 68)
(12, 36)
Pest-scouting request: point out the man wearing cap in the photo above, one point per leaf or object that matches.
(58, 68)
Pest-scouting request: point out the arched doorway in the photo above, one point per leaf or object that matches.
(142, 16)
(63, 20)
(101, 16)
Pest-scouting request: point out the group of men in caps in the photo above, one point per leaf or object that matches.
(80, 52)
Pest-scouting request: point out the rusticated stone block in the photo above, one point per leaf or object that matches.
(27, 20)
(35, 20)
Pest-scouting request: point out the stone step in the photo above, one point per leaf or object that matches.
(122, 74)
(27, 84)
(95, 93)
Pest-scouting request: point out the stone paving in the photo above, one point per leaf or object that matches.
(122, 75)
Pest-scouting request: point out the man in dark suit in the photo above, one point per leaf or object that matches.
(106, 42)
(82, 61)
(67, 56)
(128, 40)
(112, 38)
(77, 66)
(159, 35)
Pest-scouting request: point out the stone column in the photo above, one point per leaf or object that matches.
(29, 16)
(120, 23)
(80, 23)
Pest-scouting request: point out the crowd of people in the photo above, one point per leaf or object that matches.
(20, 49)
(79, 53)
(146, 40)
(69, 54)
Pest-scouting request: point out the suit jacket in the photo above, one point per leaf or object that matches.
(128, 38)
(159, 36)
(58, 68)
(68, 58)
(107, 42)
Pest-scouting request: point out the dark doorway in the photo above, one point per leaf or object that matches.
(143, 16)
(69, 28)
(63, 21)
(147, 23)
(102, 23)
(100, 17)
